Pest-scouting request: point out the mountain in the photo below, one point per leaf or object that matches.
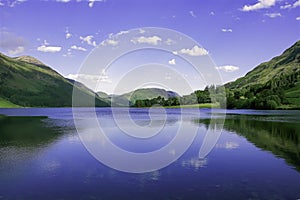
(102, 95)
(27, 82)
(30, 60)
(286, 64)
(148, 93)
(272, 84)
(141, 94)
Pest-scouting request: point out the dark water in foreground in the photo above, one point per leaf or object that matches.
(256, 157)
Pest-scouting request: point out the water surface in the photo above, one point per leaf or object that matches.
(256, 157)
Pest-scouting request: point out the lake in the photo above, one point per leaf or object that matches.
(256, 156)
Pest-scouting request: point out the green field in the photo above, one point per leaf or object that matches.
(6, 104)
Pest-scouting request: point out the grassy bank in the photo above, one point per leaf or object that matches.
(288, 107)
(202, 105)
(6, 104)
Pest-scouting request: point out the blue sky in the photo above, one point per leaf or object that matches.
(237, 34)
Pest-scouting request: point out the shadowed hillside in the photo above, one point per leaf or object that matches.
(27, 82)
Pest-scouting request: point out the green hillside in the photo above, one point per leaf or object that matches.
(287, 63)
(148, 93)
(102, 95)
(27, 82)
(141, 94)
(271, 85)
(6, 104)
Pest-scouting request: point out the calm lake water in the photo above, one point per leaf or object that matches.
(256, 157)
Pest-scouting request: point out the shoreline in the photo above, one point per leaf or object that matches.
(200, 106)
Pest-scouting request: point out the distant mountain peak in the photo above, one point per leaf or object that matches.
(29, 59)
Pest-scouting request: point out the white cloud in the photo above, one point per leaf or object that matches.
(88, 77)
(149, 40)
(17, 50)
(172, 62)
(45, 42)
(112, 42)
(195, 51)
(142, 31)
(89, 40)
(122, 33)
(227, 30)
(228, 68)
(92, 2)
(104, 77)
(68, 54)
(110, 35)
(12, 3)
(260, 5)
(50, 49)
(169, 42)
(273, 15)
(286, 6)
(192, 14)
(296, 4)
(78, 48)
(68, 34)
(109, 42)
(81, 76)
(212, 13)
(298, 18)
